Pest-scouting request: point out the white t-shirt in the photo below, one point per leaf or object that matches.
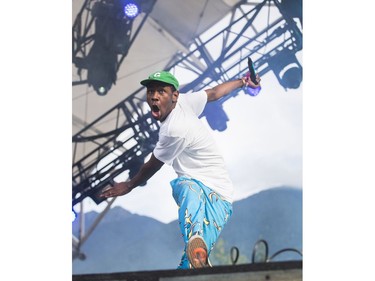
(187, 144)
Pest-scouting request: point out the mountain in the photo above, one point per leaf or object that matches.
(128, 242)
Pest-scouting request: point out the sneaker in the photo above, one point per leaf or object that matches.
(197, 252)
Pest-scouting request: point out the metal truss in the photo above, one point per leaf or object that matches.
(134, 133)
(84, 35)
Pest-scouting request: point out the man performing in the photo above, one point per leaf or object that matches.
(202, 190)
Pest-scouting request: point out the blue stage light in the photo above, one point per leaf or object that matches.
(131, 9)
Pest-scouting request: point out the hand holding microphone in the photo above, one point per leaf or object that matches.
(252, 80)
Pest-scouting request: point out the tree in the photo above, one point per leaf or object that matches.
(221, 255)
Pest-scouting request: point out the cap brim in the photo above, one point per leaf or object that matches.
(148, 81)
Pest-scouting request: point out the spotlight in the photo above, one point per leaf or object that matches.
(101, 68)
(287, 69)
(131, 9)
(112, 27)
(216, 116)
(291, 76)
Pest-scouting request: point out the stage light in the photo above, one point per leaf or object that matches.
(112, 37)
(112, 27)
(291, 76)
(131, 9)
(287, 69)
(216, 116)
(101, 68)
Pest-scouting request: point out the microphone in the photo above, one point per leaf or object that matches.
(252, 71)
(252, 91)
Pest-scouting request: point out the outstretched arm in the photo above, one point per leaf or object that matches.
(227, 87)
(147, 170)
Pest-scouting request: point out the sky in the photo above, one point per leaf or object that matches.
(337, 143)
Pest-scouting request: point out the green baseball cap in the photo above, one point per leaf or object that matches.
(162, 76)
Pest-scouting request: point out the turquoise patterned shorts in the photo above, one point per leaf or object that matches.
(201, 211)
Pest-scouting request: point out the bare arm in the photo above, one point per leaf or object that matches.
(227, 87)
(147, 170)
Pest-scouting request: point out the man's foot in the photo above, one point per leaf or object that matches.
(197, 252)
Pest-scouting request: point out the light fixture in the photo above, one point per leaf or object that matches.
(216, 116)
(287, 69)
(291, 76)
(113, 21)
(131, 9)
(112, 27)
(101, 68)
